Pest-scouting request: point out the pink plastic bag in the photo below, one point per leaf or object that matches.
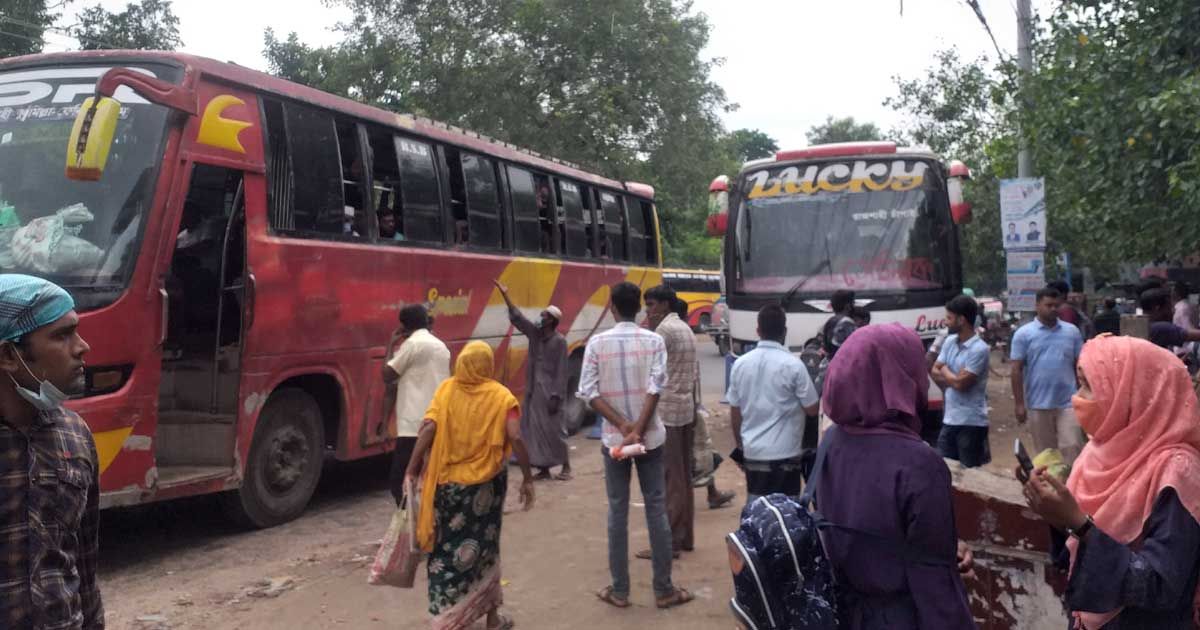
(398, 558)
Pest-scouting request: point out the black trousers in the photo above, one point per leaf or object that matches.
(401, 455)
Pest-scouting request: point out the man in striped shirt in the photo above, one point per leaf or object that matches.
(624, 372)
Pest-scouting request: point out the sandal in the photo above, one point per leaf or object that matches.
(607, 596)
(506, 623)
(564, 476)
(680, 597)
(542, 476)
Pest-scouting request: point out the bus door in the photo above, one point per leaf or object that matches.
(205, 295)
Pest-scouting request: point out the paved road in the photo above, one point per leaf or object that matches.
(181, 565)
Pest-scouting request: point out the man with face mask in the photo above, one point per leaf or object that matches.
(545, 389)
(49, 472)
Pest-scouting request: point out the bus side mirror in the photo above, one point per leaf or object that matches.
(960, 209)
(92, 138)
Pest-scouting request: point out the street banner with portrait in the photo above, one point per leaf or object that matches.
(1023, 213)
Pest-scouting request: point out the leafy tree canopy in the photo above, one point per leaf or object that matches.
(751, 144)
(144, 25)
(842, 130)
(23, 23)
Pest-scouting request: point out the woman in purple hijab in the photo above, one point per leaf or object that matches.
(879, 477)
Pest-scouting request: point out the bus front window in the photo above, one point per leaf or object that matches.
(818, 235)
(83, 236)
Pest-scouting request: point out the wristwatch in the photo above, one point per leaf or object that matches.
(1082, 530)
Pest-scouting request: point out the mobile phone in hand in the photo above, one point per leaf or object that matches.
(1023, 458)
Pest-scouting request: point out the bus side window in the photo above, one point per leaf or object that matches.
(547, 208)
(458, 195)
(354, 182)
(483, 202)
(651, 235)
(578, 221)
(526, 231)
(614, 227)
(592, 226)
(637, 230)
(385, 182)
(420, 203)
(307, 175)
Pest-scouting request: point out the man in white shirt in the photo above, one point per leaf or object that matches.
(624, 372)
(770, 395)
(410, 378)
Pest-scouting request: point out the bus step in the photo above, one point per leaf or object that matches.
(170, 476)
(195, 444)
(182, 416)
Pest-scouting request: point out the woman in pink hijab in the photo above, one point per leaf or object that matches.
(1132, 503)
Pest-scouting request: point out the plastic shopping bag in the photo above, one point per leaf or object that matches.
(398, 558)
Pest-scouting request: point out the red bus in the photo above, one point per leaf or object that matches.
(233, 276)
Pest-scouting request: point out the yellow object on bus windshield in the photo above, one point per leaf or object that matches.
(91, 138)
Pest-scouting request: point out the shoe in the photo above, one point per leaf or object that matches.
(723, 499)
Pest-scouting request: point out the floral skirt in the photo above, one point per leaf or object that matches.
(464, 566)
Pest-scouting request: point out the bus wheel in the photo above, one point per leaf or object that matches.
(705, 322)
(575, 412)
(723, 344)
(284, 463)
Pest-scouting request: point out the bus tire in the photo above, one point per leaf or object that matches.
(705, 322)
(723, 345)
(284, 464)
(575, 413)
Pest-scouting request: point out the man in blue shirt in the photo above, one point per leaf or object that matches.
(1044, 353)
(962, 372)
(770, 395)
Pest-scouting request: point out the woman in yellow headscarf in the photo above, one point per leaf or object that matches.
(471, 427)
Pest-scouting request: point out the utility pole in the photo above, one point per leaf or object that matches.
(1025, 69)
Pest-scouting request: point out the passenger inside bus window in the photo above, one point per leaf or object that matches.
(385, 184)
(388, 226)
(561, 214)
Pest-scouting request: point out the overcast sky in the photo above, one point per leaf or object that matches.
(788, 63)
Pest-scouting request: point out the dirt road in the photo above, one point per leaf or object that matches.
(181, 565)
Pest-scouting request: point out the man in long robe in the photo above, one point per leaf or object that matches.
(545, 389)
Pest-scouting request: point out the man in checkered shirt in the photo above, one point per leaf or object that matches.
(624, 372)
(49, 475)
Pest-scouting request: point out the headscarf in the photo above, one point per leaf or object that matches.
(1145, 437)
(471, 443)
(877, 382)
(28, 303)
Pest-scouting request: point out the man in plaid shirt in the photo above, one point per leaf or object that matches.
(624, 372)
(49, 476)
(677, 408)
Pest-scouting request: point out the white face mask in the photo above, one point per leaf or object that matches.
(48, 398)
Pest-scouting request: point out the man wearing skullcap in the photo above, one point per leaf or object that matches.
(49, 472)
(545, 389)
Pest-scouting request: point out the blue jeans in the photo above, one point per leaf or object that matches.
(652, 479)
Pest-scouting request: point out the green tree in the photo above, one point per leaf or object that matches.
(750, 144)
(1114, 123)
(144, 25)
(620, 86)
(23, 23)
(842, 130)
(960, 109)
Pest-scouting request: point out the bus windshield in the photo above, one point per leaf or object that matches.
(862, 225)
(83, 236)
